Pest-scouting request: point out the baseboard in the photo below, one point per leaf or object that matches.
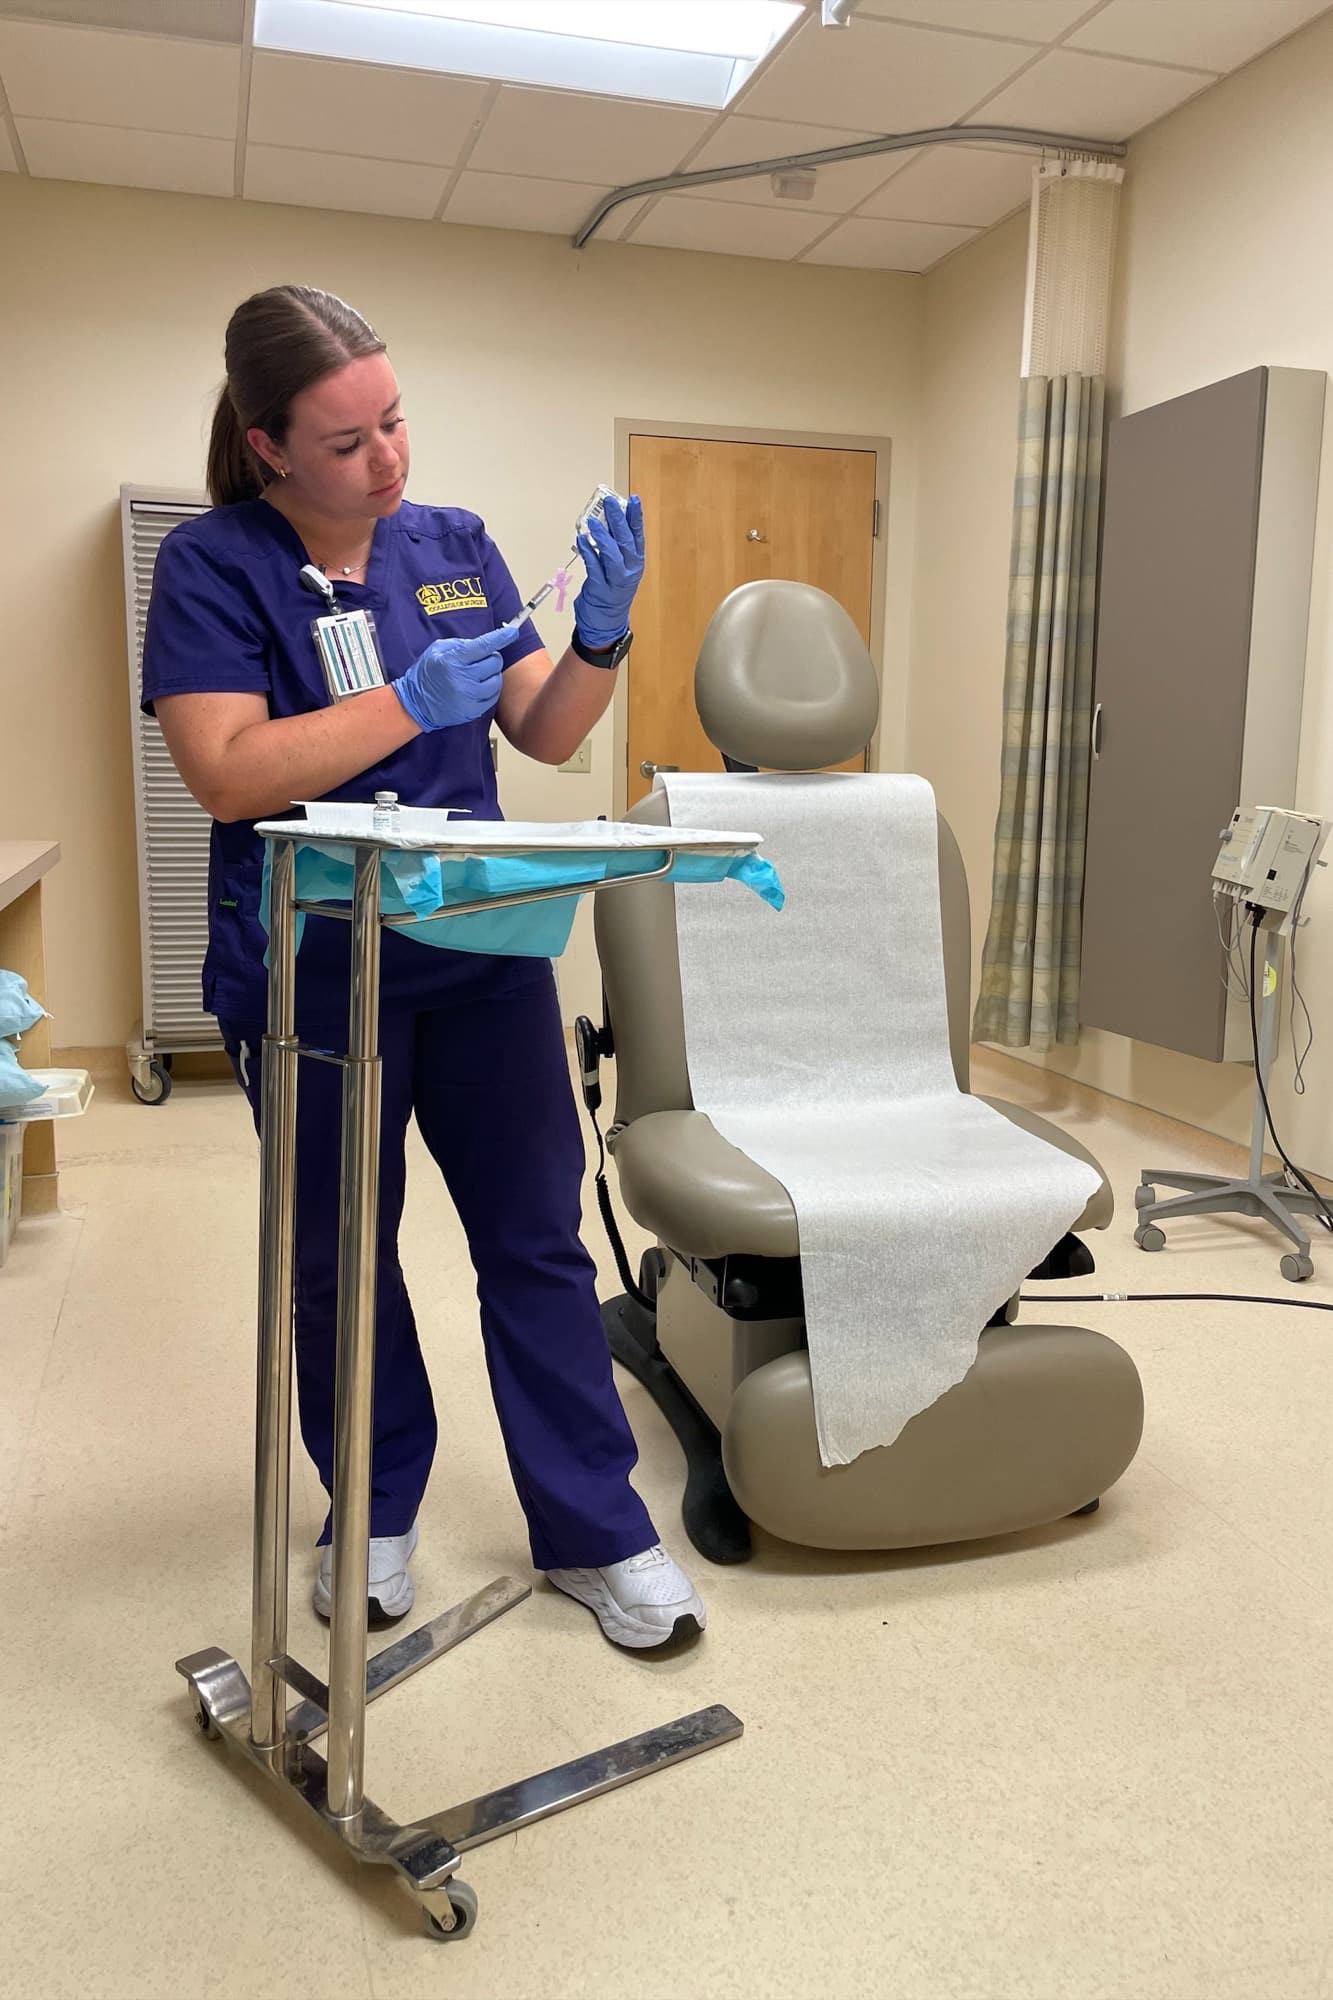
(106, 1065)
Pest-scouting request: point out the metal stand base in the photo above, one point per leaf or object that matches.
(426, 1851)
(1270, 1197)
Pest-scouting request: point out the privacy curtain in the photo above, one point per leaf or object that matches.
(1030, 965)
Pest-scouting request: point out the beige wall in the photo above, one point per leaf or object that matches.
(1226, 262)
(516, 355)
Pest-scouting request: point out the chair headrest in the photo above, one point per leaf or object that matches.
(783, 679)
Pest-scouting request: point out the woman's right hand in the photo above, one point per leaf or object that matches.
(456, 680)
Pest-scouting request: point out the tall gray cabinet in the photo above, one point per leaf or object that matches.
(1207, 550)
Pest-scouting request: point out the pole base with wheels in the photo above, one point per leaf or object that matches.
(426, 1852)
(1270, 1197)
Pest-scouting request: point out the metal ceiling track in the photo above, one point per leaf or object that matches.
(862, 149)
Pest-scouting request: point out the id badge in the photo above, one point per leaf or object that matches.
(349, 653)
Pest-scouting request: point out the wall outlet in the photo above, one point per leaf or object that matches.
(581, 761)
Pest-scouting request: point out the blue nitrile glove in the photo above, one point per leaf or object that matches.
(456, 680)
(613, 560)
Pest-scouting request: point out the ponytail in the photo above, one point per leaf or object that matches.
(233, 472)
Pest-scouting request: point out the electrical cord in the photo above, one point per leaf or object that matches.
(1165, 1298)
(1296, 995)
(1325, 1216)
(639, 1297)
(1230, 968)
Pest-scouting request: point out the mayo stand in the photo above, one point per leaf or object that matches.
(252, 1717)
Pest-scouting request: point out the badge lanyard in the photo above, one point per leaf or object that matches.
(346, 642)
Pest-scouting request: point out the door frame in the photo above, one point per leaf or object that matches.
(628, 427)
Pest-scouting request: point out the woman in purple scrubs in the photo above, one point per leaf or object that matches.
(308, 463)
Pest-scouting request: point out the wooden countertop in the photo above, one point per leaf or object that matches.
(23, 862)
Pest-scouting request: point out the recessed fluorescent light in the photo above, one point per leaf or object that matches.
(667, 51)
(742, 29)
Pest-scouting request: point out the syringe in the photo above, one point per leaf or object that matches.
(594, 509)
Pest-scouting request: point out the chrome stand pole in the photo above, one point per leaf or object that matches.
(355, 1373)
(277, 1230)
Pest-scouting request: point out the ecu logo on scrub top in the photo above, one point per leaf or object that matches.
(459, 593)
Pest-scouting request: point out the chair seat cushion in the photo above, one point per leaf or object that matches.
(681, 1180)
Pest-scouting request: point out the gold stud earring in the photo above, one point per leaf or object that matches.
(282, 472)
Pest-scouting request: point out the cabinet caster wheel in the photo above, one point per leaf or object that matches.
(463, 1903)
(1149, 1237)
(1145, 1195)
(1297, 1269)
(204, 1722)
(158, 1088)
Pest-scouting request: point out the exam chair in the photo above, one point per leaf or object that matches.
(1048, 1417)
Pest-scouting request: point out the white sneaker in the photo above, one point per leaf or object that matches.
(644, 1601)
(391, 1591)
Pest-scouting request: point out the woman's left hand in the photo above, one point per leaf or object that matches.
(612, 555)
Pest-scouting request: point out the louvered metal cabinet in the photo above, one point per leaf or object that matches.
(172, 831)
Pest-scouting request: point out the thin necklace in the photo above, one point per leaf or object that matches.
(347, 569)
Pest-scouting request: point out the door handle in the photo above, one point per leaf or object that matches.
(648, 770)
(1097, 732)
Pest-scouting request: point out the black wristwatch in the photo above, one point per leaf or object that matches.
(601, 656)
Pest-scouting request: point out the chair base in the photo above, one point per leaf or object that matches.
(716, 1527)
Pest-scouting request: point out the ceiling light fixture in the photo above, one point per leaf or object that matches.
(666, 51)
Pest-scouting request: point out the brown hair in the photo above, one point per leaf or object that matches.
(278, 343)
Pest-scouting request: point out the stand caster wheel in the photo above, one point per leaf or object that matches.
(204, 1722)
(463, 1903)
(1145, 1195)
(158, 1089)
(1297, 1269)
(1149, 1237)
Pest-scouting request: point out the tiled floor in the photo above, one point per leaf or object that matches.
(1089, 1764)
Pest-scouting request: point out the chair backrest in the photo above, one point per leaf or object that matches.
(783, 681)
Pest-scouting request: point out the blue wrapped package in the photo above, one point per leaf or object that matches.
(423, 885)
(18, 1010)
(16, 1085)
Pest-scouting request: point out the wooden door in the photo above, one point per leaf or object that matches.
(718, 515)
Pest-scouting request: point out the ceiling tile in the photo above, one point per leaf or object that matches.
(880, 77)
(1029, 20)
(118, 157)
(382, 114)
(958, 184)
(1220, 36)
(683, 222)
(334, 180)
(81, 75)
(197, 20)
(1090, 97)
(510, 201)
(837, 188)
(888, 246)
(543, 134)
(8, 159)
